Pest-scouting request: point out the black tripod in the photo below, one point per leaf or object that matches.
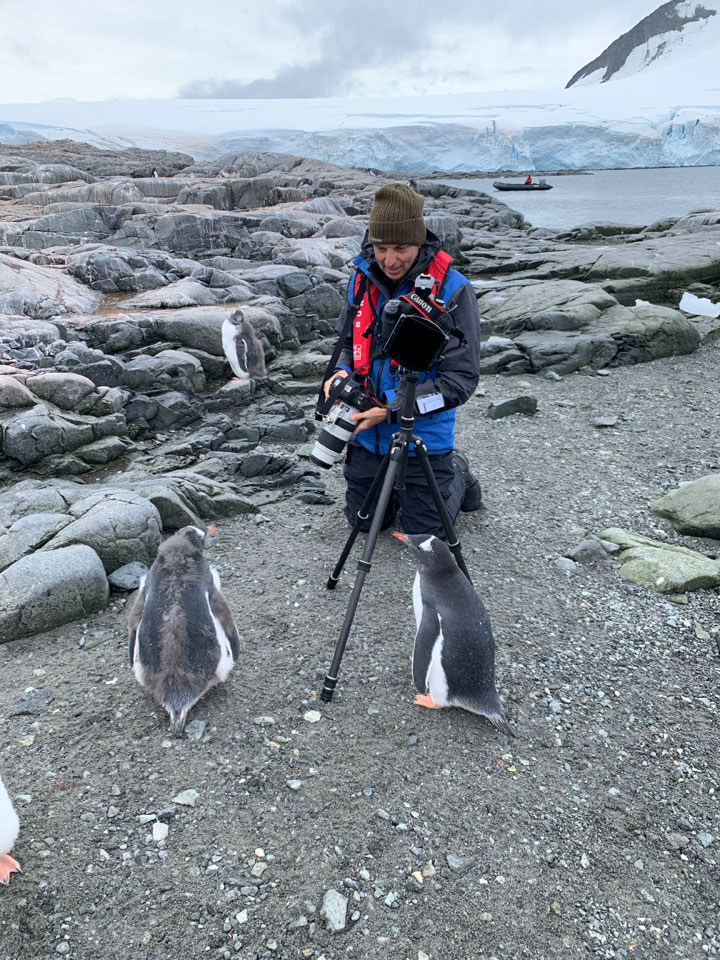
(390, 475)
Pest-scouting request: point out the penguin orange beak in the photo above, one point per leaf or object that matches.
(401, 537)
(210, 530)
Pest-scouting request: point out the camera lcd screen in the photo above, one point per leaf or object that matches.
(415, 342)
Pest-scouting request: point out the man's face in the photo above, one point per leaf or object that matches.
(395, 259)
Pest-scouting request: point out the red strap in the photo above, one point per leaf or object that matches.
(437, 268)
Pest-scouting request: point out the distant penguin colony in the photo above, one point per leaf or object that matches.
(453, 661)
(9, 829)
(183, 639)
(242, 348)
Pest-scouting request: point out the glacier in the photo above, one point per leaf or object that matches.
(668, 116)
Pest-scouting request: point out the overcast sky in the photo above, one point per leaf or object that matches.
(288, 48)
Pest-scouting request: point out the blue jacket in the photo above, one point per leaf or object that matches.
(453, 378)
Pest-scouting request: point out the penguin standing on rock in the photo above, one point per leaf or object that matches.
(183, 639)
(453, 660)
(9, 829)
(242, 348)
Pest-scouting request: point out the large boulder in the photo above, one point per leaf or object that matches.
(185, 497)
(119, 525)
(28, 533)
(693, 507)
(664, 567)
(45, 590)
(41, 292)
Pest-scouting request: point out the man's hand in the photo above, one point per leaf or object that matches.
(369, 418)
(326, 385)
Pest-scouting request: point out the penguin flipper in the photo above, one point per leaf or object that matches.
(425, 638)
(221, 611)
(135, 617)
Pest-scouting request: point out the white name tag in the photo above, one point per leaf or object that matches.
(430, 402)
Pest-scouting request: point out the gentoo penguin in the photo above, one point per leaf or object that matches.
(9, 829)
(242, 348)
(183, 639)
(453, 660)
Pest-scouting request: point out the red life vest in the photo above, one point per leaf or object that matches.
(437, 268)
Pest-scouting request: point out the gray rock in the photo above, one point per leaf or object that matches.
(587, 551)
(459, 864)
(171, 369)
(119, 525)
(29, 533)
(14, 394)
(693, 507)
(660, 566)
(45, 590)
(524, 404)
(128, 577)
(334, 911)
(565, 565)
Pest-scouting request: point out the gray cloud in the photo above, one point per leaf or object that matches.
(399, 36)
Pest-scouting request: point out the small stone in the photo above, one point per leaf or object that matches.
(312, 716)
(264, 721)
(486, 917)
(584, 862)
(159, 831)
(706, 839)
(604, 421)
(524, 404)
(678, 840)
(63, 947)
(186, 798)
(113, 812)
(258, 869)
(565, 565)
(195, 729)
(294, 784)
(639, 865)
(391, 899)
(555, 907)
(458, 864)
(333, 911)
(241, 917)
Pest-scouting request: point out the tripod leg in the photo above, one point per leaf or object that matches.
(452, 538)
(362, 515)
(364, 566)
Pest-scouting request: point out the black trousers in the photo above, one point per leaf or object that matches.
(415, 503)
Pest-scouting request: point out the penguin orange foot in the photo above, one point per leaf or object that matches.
(8, 866)
(422, 700)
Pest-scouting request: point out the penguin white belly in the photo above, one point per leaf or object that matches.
(417, 600)
(137, 666)
(230, 350)
(9, 823)
(436, 681)
(226, 662)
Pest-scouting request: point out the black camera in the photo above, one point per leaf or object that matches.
(415, 327)
(338, 428)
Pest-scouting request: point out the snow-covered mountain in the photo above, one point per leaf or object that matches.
(678, 30)
(665, 116)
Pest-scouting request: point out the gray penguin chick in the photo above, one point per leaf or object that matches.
(182, 637)
(453, 661)
(242, 348)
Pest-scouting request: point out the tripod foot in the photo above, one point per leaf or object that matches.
(422, 700)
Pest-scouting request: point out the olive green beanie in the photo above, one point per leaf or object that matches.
(396, 216)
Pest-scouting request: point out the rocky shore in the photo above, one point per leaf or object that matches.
(119, 423)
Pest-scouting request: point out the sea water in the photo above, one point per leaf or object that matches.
(635, 197)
